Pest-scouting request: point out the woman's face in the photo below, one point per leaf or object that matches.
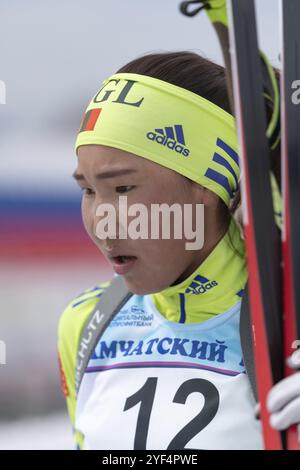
(106, 174)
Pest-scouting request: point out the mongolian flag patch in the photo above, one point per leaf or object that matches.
(89, 119)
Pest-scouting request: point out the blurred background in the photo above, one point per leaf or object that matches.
(54, 54)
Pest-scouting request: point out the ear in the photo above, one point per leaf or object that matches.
(204, 196)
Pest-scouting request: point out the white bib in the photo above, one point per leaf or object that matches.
(155, 384)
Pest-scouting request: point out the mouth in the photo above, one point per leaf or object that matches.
(122, 264)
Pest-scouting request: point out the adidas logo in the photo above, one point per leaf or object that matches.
(200, 285)
(166, 136)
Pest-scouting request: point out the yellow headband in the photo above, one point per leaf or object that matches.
(168, 125)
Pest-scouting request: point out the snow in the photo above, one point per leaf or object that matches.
(49, 432)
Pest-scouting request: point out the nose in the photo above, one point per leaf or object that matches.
(113, 219)
(106, 224)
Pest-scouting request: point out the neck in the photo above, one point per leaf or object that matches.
(212, 240)
(213, 287)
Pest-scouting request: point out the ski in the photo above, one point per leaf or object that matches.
(261, 234)
(290, 152)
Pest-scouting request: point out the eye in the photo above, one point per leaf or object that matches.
(124, 189)
(87, 191)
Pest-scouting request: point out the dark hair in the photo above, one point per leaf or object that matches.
(199, 75)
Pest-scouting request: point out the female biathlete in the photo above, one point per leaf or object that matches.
(168, 371)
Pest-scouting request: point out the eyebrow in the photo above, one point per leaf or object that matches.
(106, 174)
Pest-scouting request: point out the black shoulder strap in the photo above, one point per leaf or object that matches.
(247, 341)
(110, 302)
(113, 299)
